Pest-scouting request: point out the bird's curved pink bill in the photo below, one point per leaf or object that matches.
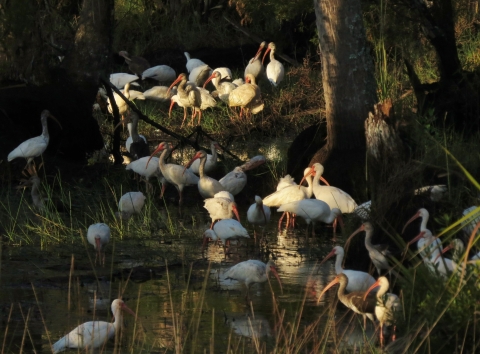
(274, 271)
(414, 217)
(196, 156)
(374, 285)
(357, 231)
(336, 280)
(160, 147)
(312, 173)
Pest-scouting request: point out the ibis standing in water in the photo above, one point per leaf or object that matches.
(225, 230)
(93, 334)
(207, 186)
(258, 214)
(377, 255)
(252, 271)
(174, 174)
(313, 210)
(357, 280)
(221, 206)
(357, 301)
(98, 235)
(34, 147)
(387, 305)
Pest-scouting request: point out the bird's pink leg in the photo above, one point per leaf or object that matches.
(180, 201)
(163, 190)
(280, 221)
(394, 336)
(381, 335)
(199, 117)
(184, 116)
(288, 220)
(204, 243)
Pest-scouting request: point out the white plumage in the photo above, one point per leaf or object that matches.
(225, 230)
(312, 211)
(255, 66)
(119, 80)
(98, 235)
(207, 186)
(234, 181)
(130, 203)
(252, 271)
(192, 63)
(357, 280)
(333, 196)
(160, 93)
(258, 214)
(221, 206)
(161, 73)
(34, 147)
(93, 334)
(211, 160)
(275, 70)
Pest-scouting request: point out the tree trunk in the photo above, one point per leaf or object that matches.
(349, 87)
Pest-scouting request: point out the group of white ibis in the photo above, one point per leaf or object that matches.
(191, 91)
(356, 286)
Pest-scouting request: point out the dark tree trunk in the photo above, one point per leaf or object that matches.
(455, 96)
(349, 87)
(67, 88)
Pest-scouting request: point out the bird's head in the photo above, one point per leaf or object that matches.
(199, 155)
(335, 281)
(162, 146)
(180, 78)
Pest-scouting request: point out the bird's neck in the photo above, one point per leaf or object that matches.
(201, 169)
(214, 153)
(423, 225)
(368, 239)
(163, 156)
(338, 264)
(134, 130)
(341, 291)
(45, 133)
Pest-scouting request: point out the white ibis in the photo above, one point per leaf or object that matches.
(286, 181)
(207, 186)
(152, 170)
(176, 99)
(137, 65)
(200, 74)
(221, 206)
(252, 271)
(121, 104)
(223, 88)
(387, 306)
(136, 144)
(159, 93)
(98, 235)
(290, 194)
(424, 214)
(275, 70)
(255, 66)
(238, 82)
(377, 255)
(93, 334)
(225, 230)
(247, 96)
(130, 203)
(174, 174)
(119, 80)
(192, 63)
(225, 73)
(357, 280)
(258, 214)
(161, 73)
(459, 252)
(34, 147)
(188, 95)
(312, 211)
(211, 162)
(357, 301)
(431, 253)
(333, 196)
(234, 181)
(206, 101)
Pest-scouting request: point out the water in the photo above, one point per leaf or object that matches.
(190, 307)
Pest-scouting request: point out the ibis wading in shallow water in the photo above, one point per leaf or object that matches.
(225, 230)
(34, 147)
(252, 271)
(93, 334)
(98, 235)
(357, 280)
(357, 301)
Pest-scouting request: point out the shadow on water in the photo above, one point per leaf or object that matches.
(185, 306)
